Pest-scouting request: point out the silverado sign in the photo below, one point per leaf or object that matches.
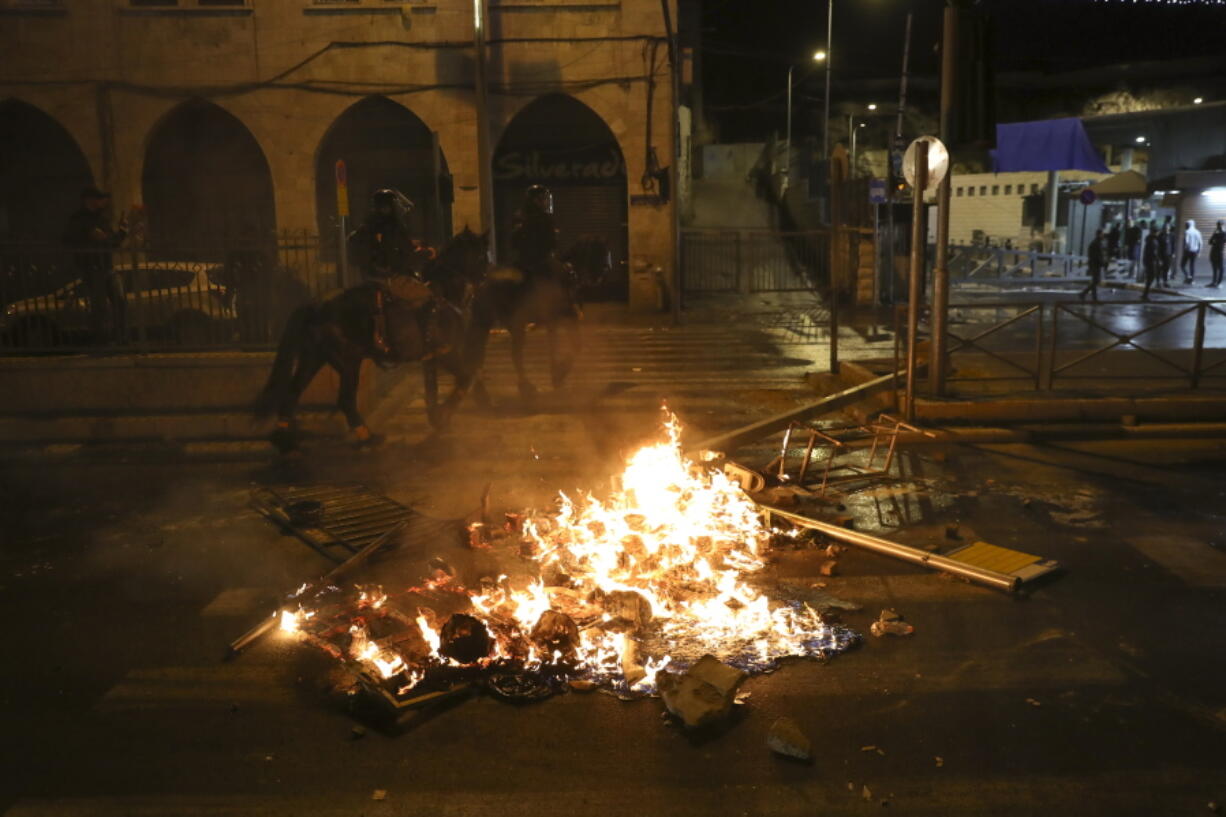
(603, 165)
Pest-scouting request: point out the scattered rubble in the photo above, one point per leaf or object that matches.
(704, 694)
(829, 568)
(890, 623)
(785, 738)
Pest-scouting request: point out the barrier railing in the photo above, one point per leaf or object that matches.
(135, 299)
(1071, 344)
(753, 260)
(972, 262)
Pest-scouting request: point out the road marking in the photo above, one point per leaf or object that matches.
(1192, 560)
(238, 601)
(200, 686)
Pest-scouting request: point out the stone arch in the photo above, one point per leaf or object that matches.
(42, 172)
(384, 144)
(559, 141)
(206, 183)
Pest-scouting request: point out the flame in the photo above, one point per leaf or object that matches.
(675, 536)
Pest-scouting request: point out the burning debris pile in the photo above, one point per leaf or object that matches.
(645, 581)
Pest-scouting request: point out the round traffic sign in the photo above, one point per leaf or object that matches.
(938, 162)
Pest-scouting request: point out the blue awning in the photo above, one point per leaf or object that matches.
(1051, 144)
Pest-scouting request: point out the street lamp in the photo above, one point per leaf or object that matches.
(852, 127)
(829, 59)
(818, 56)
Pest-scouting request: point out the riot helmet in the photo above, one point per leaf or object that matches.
(387, 200)
(538, 197)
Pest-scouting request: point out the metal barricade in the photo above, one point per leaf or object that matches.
(165, 299)
(751, 261)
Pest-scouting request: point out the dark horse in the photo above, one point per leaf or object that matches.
(338, 332)
(510, 299)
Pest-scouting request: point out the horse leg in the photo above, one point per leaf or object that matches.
(560, 363)
(518, 332)
(453, 362)
(285, 434)
(349, 367)
(471, 360)
(429, 373)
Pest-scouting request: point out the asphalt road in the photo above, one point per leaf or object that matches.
(1099, 692)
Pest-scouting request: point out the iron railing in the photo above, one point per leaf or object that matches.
(750, 261)
(974, 262)
(1079, 346)
(134, 299)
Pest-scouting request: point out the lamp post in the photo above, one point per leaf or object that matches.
(829, 59)
(851, 136)
(818, 56)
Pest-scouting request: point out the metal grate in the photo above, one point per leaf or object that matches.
(335, 520)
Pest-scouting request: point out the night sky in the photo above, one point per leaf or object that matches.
(746, 55)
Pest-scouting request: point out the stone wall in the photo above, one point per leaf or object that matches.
(109, 72)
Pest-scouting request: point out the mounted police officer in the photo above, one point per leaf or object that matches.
(391, 262)
(534, 236)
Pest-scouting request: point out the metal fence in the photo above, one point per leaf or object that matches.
(134, 299)
(973, 262)
(1106, 347)
(749, 261)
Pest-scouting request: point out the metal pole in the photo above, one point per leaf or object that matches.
(829, 60)
(937, 364)
(675, 220)
(342, 251)
(851, 138)
(902, 84)
(787, 140)
(990, 578)
(485, 174)
(917, 272)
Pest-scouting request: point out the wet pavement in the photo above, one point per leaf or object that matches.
(1098, 692)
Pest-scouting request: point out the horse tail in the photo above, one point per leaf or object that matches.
(278, 382)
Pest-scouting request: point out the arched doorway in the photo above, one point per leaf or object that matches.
(384, 144)
(206, 184)
(560, 142)
(42, 171)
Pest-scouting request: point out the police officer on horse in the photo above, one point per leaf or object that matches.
(534, 237)
(391, 262)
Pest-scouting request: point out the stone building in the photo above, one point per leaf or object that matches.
(225, 118)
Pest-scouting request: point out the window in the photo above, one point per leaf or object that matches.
(959, 192)
(983, 189)
(1034, 188)
(996, 190)
(970, 191)
(1008, 190)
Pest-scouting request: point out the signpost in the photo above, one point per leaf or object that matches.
(876, 191)
(342, 219)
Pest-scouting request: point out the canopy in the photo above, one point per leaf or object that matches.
(1051, 144)
(1127, 184)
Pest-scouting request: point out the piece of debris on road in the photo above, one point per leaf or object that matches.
(785, 738)
(704, 694)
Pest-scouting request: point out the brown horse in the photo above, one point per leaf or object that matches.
(509, 298)
(339, 332)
